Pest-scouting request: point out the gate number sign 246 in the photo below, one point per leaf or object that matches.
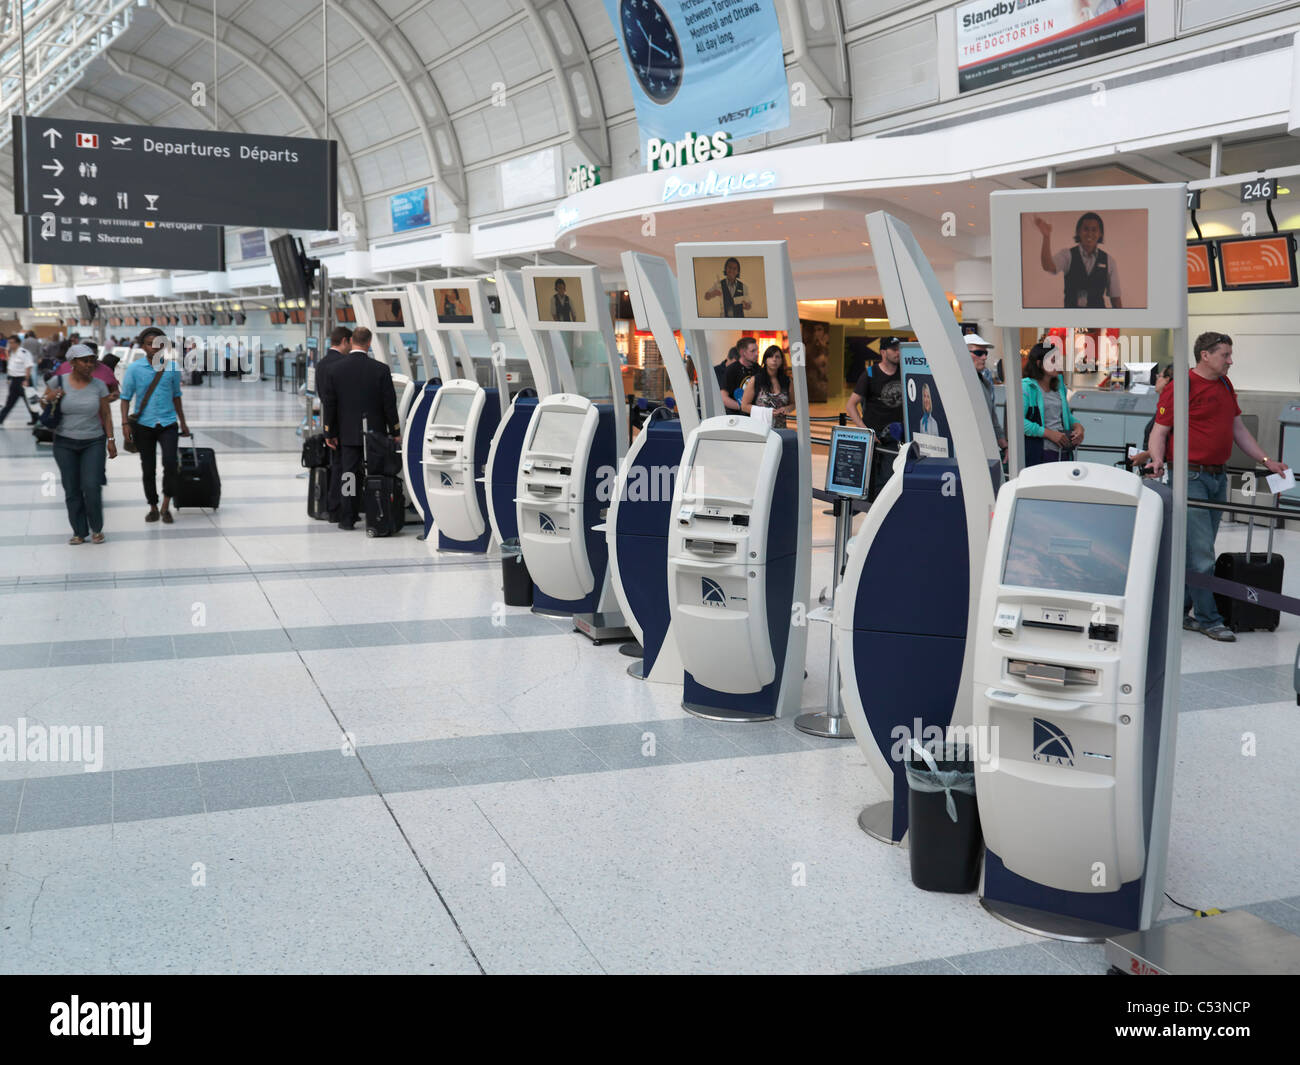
(1259, 189)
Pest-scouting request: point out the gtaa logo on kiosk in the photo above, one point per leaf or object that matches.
(546, 524)
(1051, 745)
(711, 593)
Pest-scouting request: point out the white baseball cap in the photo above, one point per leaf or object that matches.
(975, 340)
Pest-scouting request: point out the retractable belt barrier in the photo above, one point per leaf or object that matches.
(1269, 600)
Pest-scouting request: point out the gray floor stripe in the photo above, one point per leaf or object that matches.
(186, 528)
(200, 644)
(58, 504)
(78, 799)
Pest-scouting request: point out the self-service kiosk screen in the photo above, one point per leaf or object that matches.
(557, 431)
(453, 408)
(1069, 547)
(725, 469)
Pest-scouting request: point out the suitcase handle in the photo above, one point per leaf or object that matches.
(1250, 530)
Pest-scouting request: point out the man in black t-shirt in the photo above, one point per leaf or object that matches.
(877, 398)
(739, 372)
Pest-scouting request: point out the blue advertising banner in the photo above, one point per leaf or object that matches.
(409, 210)
(923, 415)
(700, 66)
(252, 244)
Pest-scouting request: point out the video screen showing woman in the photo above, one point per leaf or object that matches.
(1085, 272)
(388, 313)
(452, 306)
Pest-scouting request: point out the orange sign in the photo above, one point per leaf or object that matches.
(1258, 261)
(1199, 276)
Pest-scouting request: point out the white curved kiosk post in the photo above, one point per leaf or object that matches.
(739, 546)
(1079, 644)
(903, 613)
(640, 510)
(570, 456)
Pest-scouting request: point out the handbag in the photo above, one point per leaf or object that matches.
(1033, 444)
(129, 443)
(51, 416)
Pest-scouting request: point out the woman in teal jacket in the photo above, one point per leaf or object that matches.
(1051, 432)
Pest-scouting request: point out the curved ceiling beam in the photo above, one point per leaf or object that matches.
(227, 29)
(136, 67)
(821, 52)
(557, 35)
(425, 101)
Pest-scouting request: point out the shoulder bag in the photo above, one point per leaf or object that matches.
(129, 443)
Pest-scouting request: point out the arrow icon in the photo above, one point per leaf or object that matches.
(56, 166)
(56, 196)
(53, 134)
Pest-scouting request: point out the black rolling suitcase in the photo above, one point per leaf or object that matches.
(385, 503)
(197, 482)
(1263, 572)
(318, 490)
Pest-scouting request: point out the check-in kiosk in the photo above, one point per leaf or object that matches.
(902, 613)
(461, 415)
(570, 456)
(640, 510)
(1070, 678)
(739, 551)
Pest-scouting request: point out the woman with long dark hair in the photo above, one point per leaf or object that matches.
(1051, 433)
(770, 387)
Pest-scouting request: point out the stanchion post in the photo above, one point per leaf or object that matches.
(832, 724)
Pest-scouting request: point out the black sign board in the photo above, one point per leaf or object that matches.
(1193, 199)
(63, 240)
(174, 175)
(1260, 189)
(16, 296)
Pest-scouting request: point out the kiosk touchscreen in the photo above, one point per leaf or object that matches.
(730, 552)
(1069, 676)
(557, 493)
(456, 439)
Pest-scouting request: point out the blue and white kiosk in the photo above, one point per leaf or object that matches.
(640, 510)
(572, 451)
(450, 430)
(903, 619)
(739, 548)
(1078, 638)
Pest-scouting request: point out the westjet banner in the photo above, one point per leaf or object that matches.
(701, 66)
(998, 40)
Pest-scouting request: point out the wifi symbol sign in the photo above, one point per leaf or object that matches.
(1272, 255)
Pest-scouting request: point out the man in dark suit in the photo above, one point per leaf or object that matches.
(339, 341)
(360, 389)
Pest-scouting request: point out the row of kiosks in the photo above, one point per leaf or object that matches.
(1037, 632)
(735, 579)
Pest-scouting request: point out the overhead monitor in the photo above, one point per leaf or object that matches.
(557, 432)
(1105, 257)
(1201, 276)
(725, 469)
(18, 297)
(563, 298)
(1069, 547)
(452, 409)
(733, 286)
(389, 311)
(1258, 262)
(455, 306)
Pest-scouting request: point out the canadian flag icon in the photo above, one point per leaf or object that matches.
(87, 140)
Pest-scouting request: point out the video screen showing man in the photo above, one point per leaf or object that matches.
(559, 299)
(731, 287)
(1086, 271)
(452, 306)
(388, 313)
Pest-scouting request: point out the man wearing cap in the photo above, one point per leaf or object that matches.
(1213, 425)
(876, 401)
(979, 353)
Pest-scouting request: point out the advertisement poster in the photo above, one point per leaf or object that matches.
(923, 415)
(998, 40)
(409, 210)
(252, 244)
(700, 66)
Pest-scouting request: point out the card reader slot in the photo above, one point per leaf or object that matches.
(1047, 673)
(1052, 625)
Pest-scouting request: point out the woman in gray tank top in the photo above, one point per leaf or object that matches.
(81, 439)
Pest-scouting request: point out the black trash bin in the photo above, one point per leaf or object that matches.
(516, 583)
(943, 821)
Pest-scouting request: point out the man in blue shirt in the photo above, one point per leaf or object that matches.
(160, 423)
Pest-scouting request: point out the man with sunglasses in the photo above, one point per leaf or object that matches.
(1213, 424)
(979, 353)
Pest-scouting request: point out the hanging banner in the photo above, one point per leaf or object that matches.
(702, 65)
(924, 419)
(998, 40)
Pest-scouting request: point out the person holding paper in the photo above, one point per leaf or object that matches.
(732, 290)
(770, 387)
(1213, 425)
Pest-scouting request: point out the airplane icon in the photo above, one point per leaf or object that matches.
(122, 143)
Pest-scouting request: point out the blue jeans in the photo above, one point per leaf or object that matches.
(81, 464)
(1202, 528)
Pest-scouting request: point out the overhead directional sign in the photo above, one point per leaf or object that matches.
(64, 240)
(174, 175)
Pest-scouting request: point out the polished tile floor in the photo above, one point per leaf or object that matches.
(326, 753)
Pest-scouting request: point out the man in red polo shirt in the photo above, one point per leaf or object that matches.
(1213, 424)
